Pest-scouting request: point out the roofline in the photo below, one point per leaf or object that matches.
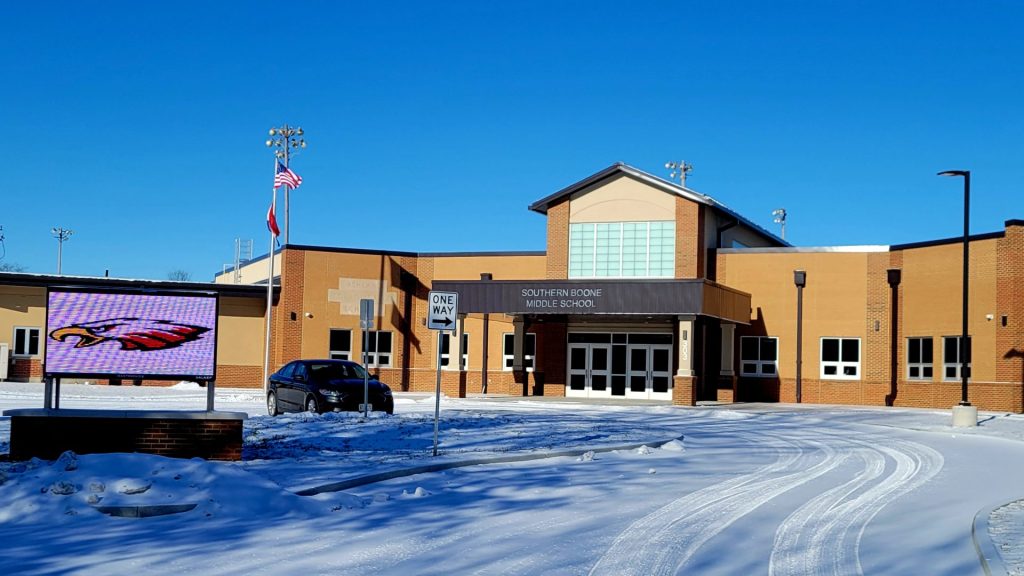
(953, 240)
(373, 252)
(47, 280)
(804, 249)
(541, 206)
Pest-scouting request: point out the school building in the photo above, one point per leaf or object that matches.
(647, 290)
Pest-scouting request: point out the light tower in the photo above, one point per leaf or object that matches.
(780, 218)
(285, 139)
(62, 235)
(681, 169)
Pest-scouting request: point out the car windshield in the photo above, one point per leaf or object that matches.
(335, 371)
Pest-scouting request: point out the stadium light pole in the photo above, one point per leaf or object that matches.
(681, 169)
(285, 140)
(62, 235)
(965, 346)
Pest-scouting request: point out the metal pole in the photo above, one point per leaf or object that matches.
(437, 394)
(965, 346)
(800, 279)
(287, 189)
(60, 250)
(270, 294)
(799, 341)
(366, 375)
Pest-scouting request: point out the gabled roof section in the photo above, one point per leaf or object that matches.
(618, 168)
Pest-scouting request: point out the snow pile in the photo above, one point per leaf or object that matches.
(43, 492)
(1006, 528)
(674, 446)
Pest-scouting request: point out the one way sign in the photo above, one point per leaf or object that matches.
(444, 307)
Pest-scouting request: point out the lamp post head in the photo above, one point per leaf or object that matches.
(954, 173)
(800, 278)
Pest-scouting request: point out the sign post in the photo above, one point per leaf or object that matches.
(443, 311)
(365, 324)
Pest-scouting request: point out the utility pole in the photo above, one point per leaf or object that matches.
(681, 169)
(284, 139)
(62, 235)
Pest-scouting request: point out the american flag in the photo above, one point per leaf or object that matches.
(285, 177)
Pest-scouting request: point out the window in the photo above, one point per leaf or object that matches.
(508, 351)
(759, 355)
(622, 250)
(444, 342)
(341, 344)
(378, 349)
(951, 350)
(26, 341)
(919, 358)
(840, 358)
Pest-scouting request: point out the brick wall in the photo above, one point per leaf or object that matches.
(690, 251)
(558, 241)
(1010, 303)
(25, 370)
(47, 437)
(997, 396)
(684, 391)
(287, 332)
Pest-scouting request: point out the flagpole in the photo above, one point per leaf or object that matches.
(270, 291)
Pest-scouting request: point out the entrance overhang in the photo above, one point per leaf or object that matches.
(609, 298)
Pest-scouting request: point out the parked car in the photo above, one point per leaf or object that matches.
(324, 386)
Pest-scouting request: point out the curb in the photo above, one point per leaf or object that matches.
(144, 511)
(991, 560)
(381, 476)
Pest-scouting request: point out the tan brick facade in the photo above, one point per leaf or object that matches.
(558, 241)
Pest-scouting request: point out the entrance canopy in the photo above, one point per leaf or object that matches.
(600, 297)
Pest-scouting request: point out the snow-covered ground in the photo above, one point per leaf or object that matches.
(745, 489)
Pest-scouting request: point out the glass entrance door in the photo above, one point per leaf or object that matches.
(649, 374)
(589, 370)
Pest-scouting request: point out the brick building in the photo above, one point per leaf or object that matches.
(647, 290)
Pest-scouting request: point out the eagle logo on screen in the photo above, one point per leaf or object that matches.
(132, 333)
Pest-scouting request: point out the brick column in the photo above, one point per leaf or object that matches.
(558, 241)
(1010, 305)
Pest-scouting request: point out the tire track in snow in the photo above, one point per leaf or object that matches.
(664, 540)
(823, 536)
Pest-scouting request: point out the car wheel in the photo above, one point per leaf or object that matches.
(311, 405)
(272, 404)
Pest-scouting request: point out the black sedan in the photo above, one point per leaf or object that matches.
(324, 386)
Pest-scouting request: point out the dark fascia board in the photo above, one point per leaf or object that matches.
(45, 280)
(543, 204)
(482, 254)
(954, 240)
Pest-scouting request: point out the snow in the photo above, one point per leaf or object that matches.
(607, 489)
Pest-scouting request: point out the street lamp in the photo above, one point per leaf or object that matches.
(285, 140)
(800, 281)
(62, 235)
(965, 343)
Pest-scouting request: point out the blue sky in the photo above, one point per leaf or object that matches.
(432, 126)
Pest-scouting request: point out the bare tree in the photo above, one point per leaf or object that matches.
(179, 275)
(12, 267)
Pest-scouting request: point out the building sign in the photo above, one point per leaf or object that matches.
(586, 297)
(561, 300)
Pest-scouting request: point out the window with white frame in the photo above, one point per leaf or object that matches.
(340, 344)
(920, 359)
(951, 350)
(26, 341)
(444, 341)
(378, 349)
(622, 250)
(840, 358)
(759, 356)
(508, 351)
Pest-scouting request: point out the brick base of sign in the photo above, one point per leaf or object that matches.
(48, 433)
